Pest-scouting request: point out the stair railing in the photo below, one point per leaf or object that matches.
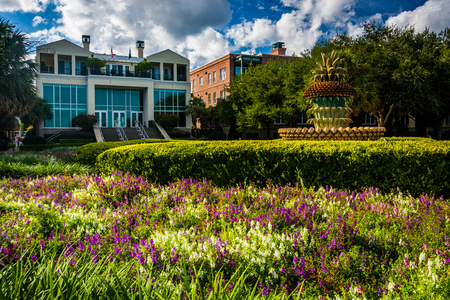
(141, 131)
(121, 132)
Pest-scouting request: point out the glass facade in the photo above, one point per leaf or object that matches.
(171, 102)
(67, 102)
(111, 103)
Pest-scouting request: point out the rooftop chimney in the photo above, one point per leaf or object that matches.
(278, 49)
(140, 49)
(86, 39)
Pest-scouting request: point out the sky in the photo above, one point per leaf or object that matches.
(203, 30)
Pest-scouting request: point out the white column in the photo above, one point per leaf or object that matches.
(73, 65)
(90, 97)
(175, 72)
(161, 71)
(55, 62)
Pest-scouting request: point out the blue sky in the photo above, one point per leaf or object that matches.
(203, 30)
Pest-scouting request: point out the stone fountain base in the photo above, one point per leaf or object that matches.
(332, 134)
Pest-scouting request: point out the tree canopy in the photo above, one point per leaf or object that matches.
(266, 92)
(396, 71)
(17, 73)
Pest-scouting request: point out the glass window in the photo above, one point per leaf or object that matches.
(223, 74)
(223, 95)
(209, 99)
(214, 77)
(209, 78)
(193, 84)
(175, 102)
(201, 80)
(215, 98)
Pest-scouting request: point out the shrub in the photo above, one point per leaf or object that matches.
(33, 140)
(85, 121)
(168, 121)
(88, 153)
(4, 141)
(414, 166)
(40, 147)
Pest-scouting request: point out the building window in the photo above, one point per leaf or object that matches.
(209, 78)
(223, 74)
(118, 105)
(193, 84)
(446, 121)
(302, 119)
(67, 102)
(279, 121)
(201, 80)
(369, 119)
(209, 99)
(214, 77)
(215, 98)
(223, 95)
(64, 67)
(171, 102)
(201, 98)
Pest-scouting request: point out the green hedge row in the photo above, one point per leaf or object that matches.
(88, 153)
(76, 141)
(414, 166)
(40, 147)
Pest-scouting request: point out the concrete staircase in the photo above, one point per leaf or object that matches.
(110, 134)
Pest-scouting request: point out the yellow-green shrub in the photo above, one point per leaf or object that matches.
(414, 166)
(88, 153)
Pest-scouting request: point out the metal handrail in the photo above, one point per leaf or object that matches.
(54, 136)
(141, 131)
(121, 132)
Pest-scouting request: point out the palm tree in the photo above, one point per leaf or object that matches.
(195, 108)
(17, 73)
(40, 111)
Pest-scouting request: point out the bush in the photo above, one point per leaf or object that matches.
(85, 121)
(76, 141)
(40, 147)
(4, 141)
(87, 154)
(33, 140)
(168, 121)
(414, 166)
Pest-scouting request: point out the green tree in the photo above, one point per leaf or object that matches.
(396, 71)
(168, 121)
(196, 108)
(40, 111)
(266, 93)
(17, 73)
(85, 121)
(95, 64)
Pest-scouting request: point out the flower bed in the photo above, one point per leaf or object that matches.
(334, 244)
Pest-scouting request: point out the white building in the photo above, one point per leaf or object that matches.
(117, 93)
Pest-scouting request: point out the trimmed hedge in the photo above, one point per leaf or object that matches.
(40, 147)
(414, 166)
(76, 141)
(88, 153)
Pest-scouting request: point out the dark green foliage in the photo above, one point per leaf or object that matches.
(168, 121)
(4, 141)
(40, 147)
(414, 166)
(76, 141)
(87, 154)
(95, 64)
(33, 140)
(17, 73)
(85, 121)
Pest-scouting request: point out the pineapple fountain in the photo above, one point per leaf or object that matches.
(329, 97)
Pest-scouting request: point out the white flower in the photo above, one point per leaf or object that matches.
(422, 257)
(391, 286)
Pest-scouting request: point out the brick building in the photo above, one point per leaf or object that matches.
(209, 81)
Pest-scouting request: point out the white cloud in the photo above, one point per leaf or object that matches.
(254, 34)
(23, 5)
(358, 29)
(434, 14)
(119, 23)
(38, 20)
